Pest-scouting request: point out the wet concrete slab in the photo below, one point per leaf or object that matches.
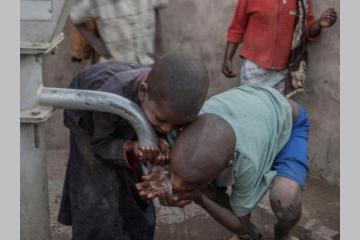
(320, 220)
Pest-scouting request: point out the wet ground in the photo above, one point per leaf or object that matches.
(320, 220)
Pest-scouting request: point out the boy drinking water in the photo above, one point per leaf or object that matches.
(99, 199)
(265, 135)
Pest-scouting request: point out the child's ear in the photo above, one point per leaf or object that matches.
(143, 92)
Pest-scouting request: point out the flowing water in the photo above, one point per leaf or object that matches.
(161, 178)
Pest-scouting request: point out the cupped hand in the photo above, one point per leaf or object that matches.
(150, 187)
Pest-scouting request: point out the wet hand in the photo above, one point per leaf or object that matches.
(192, 195)
(163, 157)
(176, 200)
(328, 18)
(150, 187)
(147, 153)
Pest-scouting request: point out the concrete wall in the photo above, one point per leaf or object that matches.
(199, 27)
(322, 98)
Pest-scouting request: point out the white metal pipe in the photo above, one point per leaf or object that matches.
(103, 102)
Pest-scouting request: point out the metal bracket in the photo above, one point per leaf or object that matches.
(41, 47)
(37, 114)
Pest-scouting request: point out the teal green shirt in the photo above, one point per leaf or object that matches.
(262, 121)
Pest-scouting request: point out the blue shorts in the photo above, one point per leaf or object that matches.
(292, 160)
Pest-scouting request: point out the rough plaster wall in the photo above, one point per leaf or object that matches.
(322, 98)
(199, 27)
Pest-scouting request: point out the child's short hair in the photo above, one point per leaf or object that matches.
(203, 149)
(179, 81)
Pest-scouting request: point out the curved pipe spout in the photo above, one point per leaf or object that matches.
(102, 102)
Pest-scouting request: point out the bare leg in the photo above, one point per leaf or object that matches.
(285, 199)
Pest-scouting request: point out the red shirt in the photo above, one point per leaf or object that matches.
(266, 29)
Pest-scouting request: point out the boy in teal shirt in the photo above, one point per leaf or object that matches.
(259, 135)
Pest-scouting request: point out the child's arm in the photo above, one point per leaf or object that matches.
(81, 12)
(107, 144)
(327, 19)
(240, 226)
(235, 34)
(227, 68)
(220, 210)
(95, 42)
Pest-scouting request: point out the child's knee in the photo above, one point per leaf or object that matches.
(287, 212)
(285, 200)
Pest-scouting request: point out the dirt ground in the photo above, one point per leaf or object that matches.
(320, 220)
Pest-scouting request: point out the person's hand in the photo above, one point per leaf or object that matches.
(95, 42)
(227, 68)
(101, 49)
(163, 157)
(98, 45)
(176, 200)
(147, 153)
(152, 187)
(254, 234)
(328, 18)
(143, 154)
(154, 184)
